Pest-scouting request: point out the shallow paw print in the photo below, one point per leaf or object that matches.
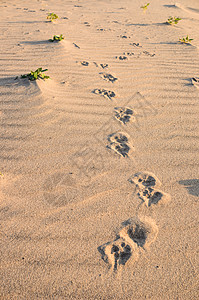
(84, 63)
(122, 57)
(124, 114)
(145, 179)
(152, 196)
(108, 77)
(128, 53)
(105, 93)
(104, 66)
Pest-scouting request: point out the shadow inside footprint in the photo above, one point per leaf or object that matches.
(124, 114)
(116, 253)
(150, 196)
(192, 185)
(136, 231)
(105, 93)
(119, 143)
(144, 180)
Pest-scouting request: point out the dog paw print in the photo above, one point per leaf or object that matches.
(152, 196)
(147, 185)
(122, 57)
(119, 142)
(135, 234)
(143, 180)
(84, 63)
(128, 53)
(108, 77)
(116, 253)
(124, 114)
(104, 93)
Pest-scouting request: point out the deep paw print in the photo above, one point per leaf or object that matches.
(152, 196)
(144, 180)
(116, 253)
(119, 142)
(108, 77)
(135, 234)
(105, 93)
(125, 114)
(122, 57)
(149, 54)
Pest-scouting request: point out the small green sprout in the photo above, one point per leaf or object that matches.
(57, 38)
(173, 20)
(52, 17)
(36, 75)
(144, 7)
(185, 40)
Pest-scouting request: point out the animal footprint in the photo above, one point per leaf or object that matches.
(128, 53)
(108, 77)
(134, 235)
(119, 142)
(116, 253)
(84, 63)
(144, 180)
(152, 196)
(104, 66)
(149, 54)
(105, 93)
(122, 57)
(146, 188)
(124, 114)
(135, 45)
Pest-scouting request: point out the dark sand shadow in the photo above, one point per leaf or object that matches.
(44, 42)
(142, 24)
(192, 185)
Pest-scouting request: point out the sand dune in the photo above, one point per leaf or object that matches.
(99, 164)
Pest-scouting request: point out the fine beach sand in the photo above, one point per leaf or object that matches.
(99, 183)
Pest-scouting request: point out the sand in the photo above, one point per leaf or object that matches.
(99, 167)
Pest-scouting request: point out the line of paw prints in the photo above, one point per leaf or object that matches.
(136, 233)
(126, 55)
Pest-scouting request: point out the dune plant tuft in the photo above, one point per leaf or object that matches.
(38, 74)
(173, 20)
(144, 7)
(185, 40)
(57, 38)
(52, 17)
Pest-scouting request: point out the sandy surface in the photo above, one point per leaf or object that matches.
(100, 185)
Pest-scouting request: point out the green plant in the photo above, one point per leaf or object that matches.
(52, 17)
(144, 7)
(173, 20)
(185, 40)
(39, 73)
(1, 174)
(57, 38)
